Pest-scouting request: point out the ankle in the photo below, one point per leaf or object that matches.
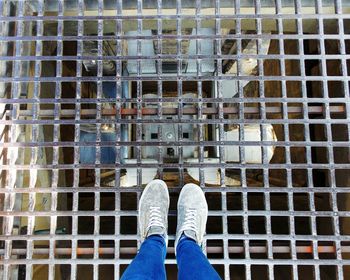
(182, 239)
(162, 238)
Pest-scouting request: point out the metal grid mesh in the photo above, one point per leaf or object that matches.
(287, 217)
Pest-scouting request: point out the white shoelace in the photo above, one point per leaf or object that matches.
(155, 218)
(190, 220)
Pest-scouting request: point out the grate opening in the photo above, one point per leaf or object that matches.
(248, 99)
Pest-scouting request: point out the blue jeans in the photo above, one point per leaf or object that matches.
(149, 262)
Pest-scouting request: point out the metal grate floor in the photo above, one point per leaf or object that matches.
(248, 99)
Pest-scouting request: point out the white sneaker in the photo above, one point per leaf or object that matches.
(153, 210)
(192, 214)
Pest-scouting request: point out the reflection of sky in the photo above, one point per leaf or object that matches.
(88, 153)
(108, 89)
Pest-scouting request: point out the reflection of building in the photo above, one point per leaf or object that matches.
(170, 49)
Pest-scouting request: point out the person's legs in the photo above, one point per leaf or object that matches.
(192, 217)
(153, 223)
(192, 263)
(149, 262)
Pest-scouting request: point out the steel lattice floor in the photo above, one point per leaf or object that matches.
(249, 99)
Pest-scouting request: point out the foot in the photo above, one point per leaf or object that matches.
(192, 214)
(153, 210)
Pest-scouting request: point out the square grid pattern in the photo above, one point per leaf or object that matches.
(280, 218)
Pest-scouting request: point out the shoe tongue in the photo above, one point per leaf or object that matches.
(155, 230)
(190, 234)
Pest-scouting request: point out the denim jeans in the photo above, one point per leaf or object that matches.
(149, 262)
